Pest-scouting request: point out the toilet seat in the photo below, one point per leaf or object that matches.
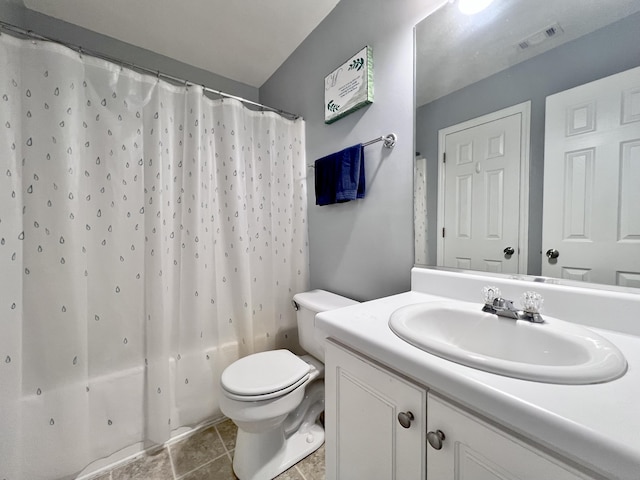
(264, 375)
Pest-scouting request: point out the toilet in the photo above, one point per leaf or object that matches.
(276, 397)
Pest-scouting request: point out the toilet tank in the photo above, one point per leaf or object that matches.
(308, 304)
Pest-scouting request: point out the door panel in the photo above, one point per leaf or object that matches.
(591, 178)
(482, 195)
(364, 439)
(475, 450)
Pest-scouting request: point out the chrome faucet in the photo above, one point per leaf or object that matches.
(531, 303)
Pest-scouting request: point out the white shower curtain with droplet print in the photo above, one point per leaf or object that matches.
(148, 237)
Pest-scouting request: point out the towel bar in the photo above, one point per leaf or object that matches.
(389, 142)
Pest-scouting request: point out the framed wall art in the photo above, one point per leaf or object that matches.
(349, 87)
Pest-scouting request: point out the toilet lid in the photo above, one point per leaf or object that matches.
(264, 373)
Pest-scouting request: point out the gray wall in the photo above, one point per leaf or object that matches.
(362, 249)
(14, 12)
(609, 50)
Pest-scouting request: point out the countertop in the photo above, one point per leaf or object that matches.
(597, 426)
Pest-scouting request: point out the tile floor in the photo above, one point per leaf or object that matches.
(205, 455)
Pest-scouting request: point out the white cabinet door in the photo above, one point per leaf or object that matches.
(475, 450)
(592, 182)
(364, 439)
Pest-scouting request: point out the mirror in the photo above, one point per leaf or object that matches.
(517, 53)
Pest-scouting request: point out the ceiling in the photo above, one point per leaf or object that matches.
(455, 50)
(244, 40)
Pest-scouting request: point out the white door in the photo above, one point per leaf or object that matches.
(364, 439)
(475, 450)
(482, 196)
(592, 182)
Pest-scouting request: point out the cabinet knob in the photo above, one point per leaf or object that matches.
(435, 439)
(405, 419)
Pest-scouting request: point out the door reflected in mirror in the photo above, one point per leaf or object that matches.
(577, 215)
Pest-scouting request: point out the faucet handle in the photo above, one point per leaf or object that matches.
(490, 293)
(531, 302)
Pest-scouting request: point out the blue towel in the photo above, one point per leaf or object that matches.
(340, 176)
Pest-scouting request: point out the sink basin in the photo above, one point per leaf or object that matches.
(551, 352)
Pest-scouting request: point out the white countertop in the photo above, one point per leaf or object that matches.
(597, 426)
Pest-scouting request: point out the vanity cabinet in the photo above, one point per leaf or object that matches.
(475, 450)
(364, 436)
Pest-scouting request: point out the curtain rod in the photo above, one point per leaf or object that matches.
(133, 66)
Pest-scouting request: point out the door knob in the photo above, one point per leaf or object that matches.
(553, 253)
(509, 251)
(436, 439)
(405, 419)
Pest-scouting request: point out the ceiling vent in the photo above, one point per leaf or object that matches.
(539, 37)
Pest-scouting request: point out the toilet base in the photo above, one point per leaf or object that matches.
(264, 456)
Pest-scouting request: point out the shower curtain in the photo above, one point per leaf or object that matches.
(149, 236)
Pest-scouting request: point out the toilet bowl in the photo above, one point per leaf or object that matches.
(276, 397)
